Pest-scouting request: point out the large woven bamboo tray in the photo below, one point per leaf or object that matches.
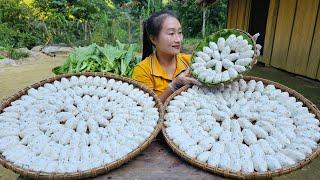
(95, 171)
(256, 175)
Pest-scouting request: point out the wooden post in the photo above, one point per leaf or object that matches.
(270, 31)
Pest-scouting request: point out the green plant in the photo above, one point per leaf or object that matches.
(191, 16)
(17, 54)
(119, 59)
(15, 24)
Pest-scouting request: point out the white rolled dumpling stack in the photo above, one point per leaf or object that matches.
(244, 126)
(76, 124)
(224, 60)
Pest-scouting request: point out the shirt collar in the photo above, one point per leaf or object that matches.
(157, 70)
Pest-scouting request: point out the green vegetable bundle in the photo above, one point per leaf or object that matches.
(119, 59)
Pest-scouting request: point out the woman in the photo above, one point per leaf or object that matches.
(166, 69)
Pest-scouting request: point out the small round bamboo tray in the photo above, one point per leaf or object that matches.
(95, 171)
(256, 175)
(223, 33)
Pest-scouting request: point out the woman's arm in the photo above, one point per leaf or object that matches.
(181, 80)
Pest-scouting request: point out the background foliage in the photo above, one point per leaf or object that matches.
(26, 23)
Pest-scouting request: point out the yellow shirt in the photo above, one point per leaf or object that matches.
(150, 73)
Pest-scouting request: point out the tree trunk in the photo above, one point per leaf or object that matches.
(113, 29)
(129, 29)
(141, 31)
(204, 11)
(85, 30)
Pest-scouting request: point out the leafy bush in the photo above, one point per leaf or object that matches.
(190, 14)
(15, 28)
(82, 22)
(119, 59)
(16, 54)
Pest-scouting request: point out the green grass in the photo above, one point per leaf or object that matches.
(13, 53)
(16, 54)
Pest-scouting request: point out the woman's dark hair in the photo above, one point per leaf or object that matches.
(152, 27)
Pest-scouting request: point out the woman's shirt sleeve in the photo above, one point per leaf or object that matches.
(142, 76)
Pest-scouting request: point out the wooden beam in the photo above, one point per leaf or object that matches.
(229, 14)
(233, 11)
(283, 31)
(241, 14)
(270, 31)
(314, 57)
(247, 15)
(301, 38)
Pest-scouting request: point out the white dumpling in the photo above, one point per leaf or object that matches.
(258, 131)
(214, 159)
(274, 143)
(217, 77)
(224, 161)
(249, 137)
(213, 46)
(273, 163)
(225, 76)
(225, 52)
(235, 164)
(208, 51)
(246, 54)
(81, 127)
(206, 143)
(243, 85)
(293, 154)
(244, 151)
(218, 67)
(221, 43)
(243, 62)
(280, 137)
(237, 137)
(226, 124)
(204, 156)
(306, 141)
(232, 73)
(227, 64)
(204, 56)
(244, 123)
(267, 126)
(8, 141)
(193, 152)
(233, 56)
(225, 136)
(247, 165)
(256, 150)
(265, 146)
(301, 148)
(283, 159)
(260, 164)
(65, 138)
(233, 150)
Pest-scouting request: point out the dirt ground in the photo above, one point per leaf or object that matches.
(26, 72)
(157, 161)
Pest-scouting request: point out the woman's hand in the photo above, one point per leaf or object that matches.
(182, 79)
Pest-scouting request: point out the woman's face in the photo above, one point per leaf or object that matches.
(170, 37)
